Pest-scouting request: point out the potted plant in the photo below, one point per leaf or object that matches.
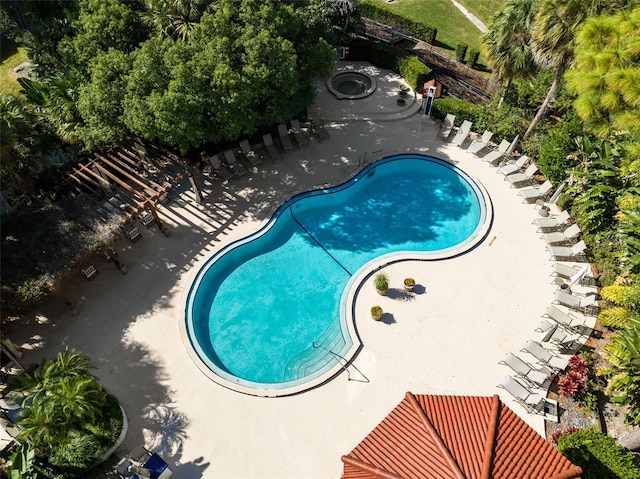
(381, 282)
(409, 283)
(376, 313)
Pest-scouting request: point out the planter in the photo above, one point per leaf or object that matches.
(403, 92)
(409, 284)
(376, 313)
(401, 101)
(381, 282)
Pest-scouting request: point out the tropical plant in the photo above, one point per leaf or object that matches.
(381, 282)
(23, 463)
(508, 42)
(606, 74)
(623, 352)
(174, 18)
(629, 232)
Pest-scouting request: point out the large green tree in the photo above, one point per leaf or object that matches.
(606, 74)
(508, 41)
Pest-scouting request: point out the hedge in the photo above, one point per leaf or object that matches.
(598, 455)
(461, 109)
(405, 25)
(414, 71)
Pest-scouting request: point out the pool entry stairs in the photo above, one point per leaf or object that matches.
(315, 358)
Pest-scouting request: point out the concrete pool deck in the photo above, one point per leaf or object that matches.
(468, 312)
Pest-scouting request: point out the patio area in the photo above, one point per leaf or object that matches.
(467, 314)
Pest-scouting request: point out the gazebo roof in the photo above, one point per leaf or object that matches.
(461, 437)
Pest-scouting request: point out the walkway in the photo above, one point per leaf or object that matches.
(448, 340)
(472, 18)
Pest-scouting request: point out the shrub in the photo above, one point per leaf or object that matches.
(574, 384)
(461, 109)
(558, 142)
(413, 70)
(558, 434)
(405, 25)
(461, 52)
(598, 455)
(472, 59)
(616, 317)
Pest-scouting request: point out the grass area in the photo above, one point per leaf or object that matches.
(483, 9)
(8, 82)
(453, 27)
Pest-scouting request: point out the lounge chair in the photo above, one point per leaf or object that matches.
(534, 377)
(283, 132)
(147, 219)
(132, 233)
(566, 236)
(271, 148)
(530, 401)
(447, 126)
(249, 153)
(544, 356)
(320, 130)
(525, 177)
(568, 253)
(557, 222)
(218, 169)
(575, 276)
(566, 320)
(233, 164)
(584, 304)
(567, 342)
(297, 134)
(529, 195)
(462, 133)
(480, 143)
(495, 156)
(514, 167)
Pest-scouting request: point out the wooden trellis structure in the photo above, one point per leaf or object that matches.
(132, 179)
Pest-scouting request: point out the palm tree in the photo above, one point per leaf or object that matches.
(508, 42)
(173, 18)
(606, 73)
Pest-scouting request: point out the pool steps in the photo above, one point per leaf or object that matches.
(308, 361)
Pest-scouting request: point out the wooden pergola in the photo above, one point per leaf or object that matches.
(133, 179)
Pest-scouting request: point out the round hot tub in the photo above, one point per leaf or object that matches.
(348, 85)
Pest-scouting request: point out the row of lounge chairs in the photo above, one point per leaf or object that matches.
(227, 166)
(565, 326)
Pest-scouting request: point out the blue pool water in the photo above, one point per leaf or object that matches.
(265, 312)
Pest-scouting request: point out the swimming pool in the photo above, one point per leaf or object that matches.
(266, 315)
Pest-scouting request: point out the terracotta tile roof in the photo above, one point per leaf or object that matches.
(457, 437)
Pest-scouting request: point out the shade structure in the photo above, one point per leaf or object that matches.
(458, 437)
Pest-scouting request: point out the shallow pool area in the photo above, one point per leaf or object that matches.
(267, 313)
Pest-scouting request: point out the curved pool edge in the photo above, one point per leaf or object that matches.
(350, 293)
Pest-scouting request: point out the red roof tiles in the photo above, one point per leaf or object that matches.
(457, 437)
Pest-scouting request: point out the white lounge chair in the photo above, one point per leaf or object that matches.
(233, 164)
(495, 156)
(533, 403)
(531, 375)
(544, 356)
(568, 253)
(575, 276)
(567, 342)
(320, 130)
(297, 134)
(584, 304)
(480, 143)
(515, 167)
(462, 133)
(249, 153)
(218, 169)
(566, 320)
(566, 236)
(447, 126)
(557, 222)
(524, 177)
(283, 132)
(530, 195)
(271, 148)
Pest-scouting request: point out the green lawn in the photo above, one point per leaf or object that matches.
(483, 9)
(8, 83)
(453, 27)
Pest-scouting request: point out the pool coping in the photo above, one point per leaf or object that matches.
(351, 290)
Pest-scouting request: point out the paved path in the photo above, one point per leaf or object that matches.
(475, 20)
